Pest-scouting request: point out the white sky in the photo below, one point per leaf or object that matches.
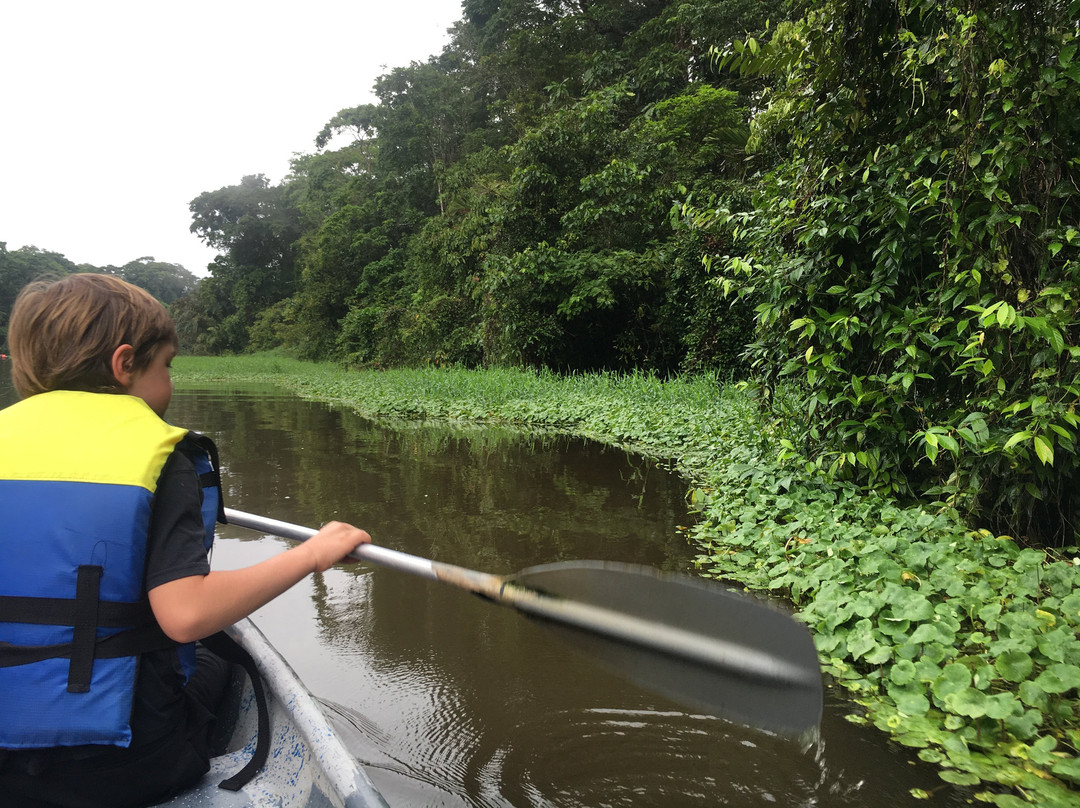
(115, 114)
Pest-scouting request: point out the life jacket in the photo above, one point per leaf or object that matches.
(78, 474)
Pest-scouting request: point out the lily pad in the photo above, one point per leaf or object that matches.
(909, 700)
(903, 672)
(1033, 696)
(1002, 705)
(959, 778)
(1025, 725)
(908, 605)
(933, 633)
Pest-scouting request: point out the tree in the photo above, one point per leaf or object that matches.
(584, 270)
(255, 226)
(508, 200)
(166, 282)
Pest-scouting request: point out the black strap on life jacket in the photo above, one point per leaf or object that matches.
(61, 611)
(191, 444)
(85, 613)
(84, 635)
(151, 638)
(127, 643)
(231, 651)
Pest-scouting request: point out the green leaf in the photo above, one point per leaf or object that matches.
(903, 672)
(910, 700)
(879, 655)
(1033, 695)
(950, 443)
(1068, 769)
(1015, 439)
(1025, 725)
(1009, 801)
(1002, 705)
(861, 639)
(932, 632)
(1042, 750)
(954, 678)
(1044, 450)
(1059, 678)
(906, 604)
(1014, 666)
(959, 778)
(969, 702)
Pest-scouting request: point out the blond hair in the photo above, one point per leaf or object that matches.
(63, 333)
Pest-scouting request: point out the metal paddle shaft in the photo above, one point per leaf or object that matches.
(690, 639)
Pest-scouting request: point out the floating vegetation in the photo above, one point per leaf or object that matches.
(956, 642)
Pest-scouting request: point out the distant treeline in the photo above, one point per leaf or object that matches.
(166, 282)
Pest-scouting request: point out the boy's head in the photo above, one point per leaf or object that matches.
(63, 333)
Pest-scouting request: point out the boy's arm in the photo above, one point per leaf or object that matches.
(188, 609)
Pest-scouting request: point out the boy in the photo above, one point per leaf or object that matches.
(102, 532)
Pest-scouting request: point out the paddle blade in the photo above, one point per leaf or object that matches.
(722, 653)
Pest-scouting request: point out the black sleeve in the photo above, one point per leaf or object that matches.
(175, 546)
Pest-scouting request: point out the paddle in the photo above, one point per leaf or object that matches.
(690, 639)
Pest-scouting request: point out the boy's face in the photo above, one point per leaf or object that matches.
(154, 384)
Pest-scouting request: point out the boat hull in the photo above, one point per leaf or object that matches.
(308, 766)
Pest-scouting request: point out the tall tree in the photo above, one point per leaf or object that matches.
(508, 200)
(255, 226)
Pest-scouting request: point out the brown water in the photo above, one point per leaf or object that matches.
(451, 701)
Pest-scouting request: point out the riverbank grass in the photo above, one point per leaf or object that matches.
(958, 643)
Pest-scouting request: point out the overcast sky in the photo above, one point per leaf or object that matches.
(115, 114)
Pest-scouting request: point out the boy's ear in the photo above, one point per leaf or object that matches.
(123, 359)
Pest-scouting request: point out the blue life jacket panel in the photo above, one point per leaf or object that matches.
(78, 472)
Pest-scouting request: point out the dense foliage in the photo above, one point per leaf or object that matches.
(915, 251)
(505, 202)
(886, 195)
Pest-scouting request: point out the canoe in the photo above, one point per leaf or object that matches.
(308, 765)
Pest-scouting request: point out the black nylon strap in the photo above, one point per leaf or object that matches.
(210, 478)
(61, 612)
(231, 651)
(127, 643)
(84, 637)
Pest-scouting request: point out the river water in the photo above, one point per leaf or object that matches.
(451, 701)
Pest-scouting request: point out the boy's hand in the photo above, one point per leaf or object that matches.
(333, 542)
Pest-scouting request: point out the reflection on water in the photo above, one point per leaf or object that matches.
(451, 701)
